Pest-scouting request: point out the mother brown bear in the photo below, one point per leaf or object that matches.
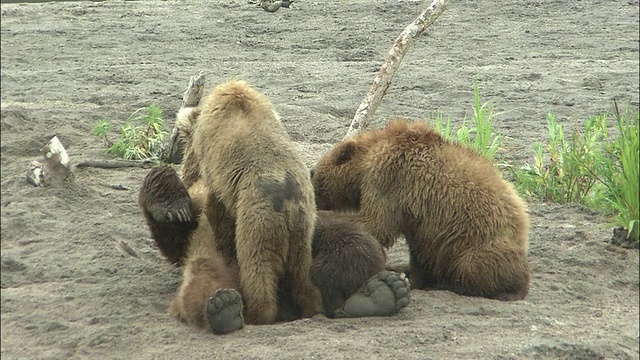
(466, 228)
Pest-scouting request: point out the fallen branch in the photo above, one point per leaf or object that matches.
(115, 164)
(190, 99)
(381, 82)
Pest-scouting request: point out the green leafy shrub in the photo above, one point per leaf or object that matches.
(558, 174)
(141, 136)
(588, 168)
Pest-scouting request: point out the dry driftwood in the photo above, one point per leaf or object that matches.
(55, 168)
(193, 94)
(271, 6)
(381, 82)
(191, 98)
(115, 164)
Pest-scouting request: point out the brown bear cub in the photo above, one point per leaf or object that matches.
(466, 228)
(348, 264)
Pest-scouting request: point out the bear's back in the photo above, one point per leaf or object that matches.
(443, 186)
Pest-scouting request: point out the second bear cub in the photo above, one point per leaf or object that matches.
(466, 228)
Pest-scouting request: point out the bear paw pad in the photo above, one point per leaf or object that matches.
(383, 295)
(224, 311)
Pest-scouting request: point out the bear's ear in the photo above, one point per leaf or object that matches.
(346, 151)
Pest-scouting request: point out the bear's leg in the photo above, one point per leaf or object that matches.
(202, 277)
(205, 272)
(223, 224)
(497, 272)
(382, 224)
(260, 241)
(207, 296)
(168, 211)
(420, 279)
(383, 295)
(224, 311)
(306, 294)
(297, 266)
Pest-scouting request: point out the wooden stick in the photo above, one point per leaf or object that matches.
(190, 99)
(115, 164)
(400, 47)
(193, 94)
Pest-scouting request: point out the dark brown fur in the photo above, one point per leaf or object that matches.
(170, 229)
(344, 257)
(249, 167)
(466, 228)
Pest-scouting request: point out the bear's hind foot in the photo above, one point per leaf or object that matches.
(224, 311)
(383, 295)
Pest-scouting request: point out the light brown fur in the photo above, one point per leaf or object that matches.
(466, 228)
(260, 201)
(185, 123)
(205, 271)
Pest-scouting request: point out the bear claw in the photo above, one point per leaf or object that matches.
(383, 295)
(180, 215)
(165, 197)
(224, 311)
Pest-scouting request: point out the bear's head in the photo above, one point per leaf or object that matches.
(337, 177)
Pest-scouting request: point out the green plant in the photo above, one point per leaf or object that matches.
(141, 135)
(480, 137)
(620, 174)
(588, 168)
(560, 174)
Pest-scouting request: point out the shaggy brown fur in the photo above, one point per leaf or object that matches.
(344, 256)
(260, 200)
(170, 228)
(205, 271)
(466, 228)
(185, 123)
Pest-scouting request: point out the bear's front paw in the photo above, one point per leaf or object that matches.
(383, 295)
(165, 197)
(224, 311)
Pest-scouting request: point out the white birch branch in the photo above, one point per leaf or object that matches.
(383, 78)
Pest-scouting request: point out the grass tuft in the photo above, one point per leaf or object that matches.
(141, 136)
(480, 136)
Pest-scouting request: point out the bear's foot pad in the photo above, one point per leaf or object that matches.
(224, 311)
(383, 295)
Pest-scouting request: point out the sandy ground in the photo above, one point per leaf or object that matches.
(67, 291)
